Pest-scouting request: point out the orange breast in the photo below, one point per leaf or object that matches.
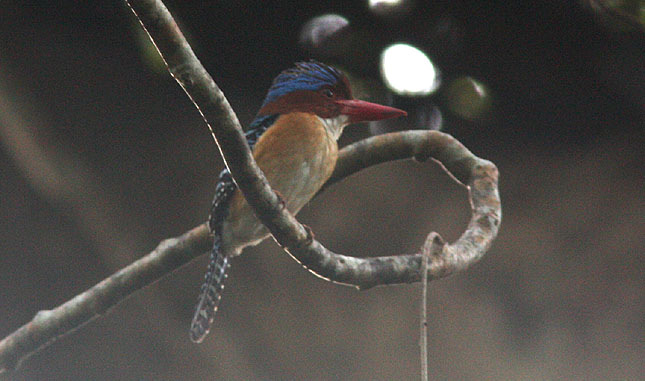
(297, 155)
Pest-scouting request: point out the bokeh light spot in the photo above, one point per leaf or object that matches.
(406, 70)
(322, 30)
(468, 98)
(380, 3)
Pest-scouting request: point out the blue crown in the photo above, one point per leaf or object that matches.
(309, 76)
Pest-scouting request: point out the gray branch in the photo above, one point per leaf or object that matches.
(480, 176)
(49, 325)
(173, 253)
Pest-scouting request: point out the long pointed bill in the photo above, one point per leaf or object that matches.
(362, 111)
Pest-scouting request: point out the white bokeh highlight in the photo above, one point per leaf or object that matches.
(377, 3)
(406, 70)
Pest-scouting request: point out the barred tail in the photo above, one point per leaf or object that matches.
(210, 294)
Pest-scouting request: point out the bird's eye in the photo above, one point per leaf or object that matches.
(328, 93)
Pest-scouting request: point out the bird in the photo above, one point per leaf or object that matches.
(293, 139)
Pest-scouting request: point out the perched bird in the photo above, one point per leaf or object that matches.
(293, 139)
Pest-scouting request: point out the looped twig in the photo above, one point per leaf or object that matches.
(480, 177)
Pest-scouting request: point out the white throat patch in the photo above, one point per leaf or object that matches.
(335, 126)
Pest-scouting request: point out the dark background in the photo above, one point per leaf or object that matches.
(103, 156)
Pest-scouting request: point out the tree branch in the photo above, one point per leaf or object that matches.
(479, 175)
(48, 325)
(220, 118)
(173, 253)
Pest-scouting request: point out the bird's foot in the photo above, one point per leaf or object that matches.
(281, 201)
(310, 236)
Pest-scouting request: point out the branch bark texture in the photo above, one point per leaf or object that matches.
(173, 253)
(480, 176)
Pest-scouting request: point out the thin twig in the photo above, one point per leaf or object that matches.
(433, 244)
(423, 339)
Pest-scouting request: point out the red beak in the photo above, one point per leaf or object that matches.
(361, 111)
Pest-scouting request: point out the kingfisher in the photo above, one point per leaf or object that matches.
(294, 141)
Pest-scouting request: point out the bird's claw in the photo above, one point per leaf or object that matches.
(281, 201)
(310, 235)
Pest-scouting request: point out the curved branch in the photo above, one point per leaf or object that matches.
(176, 252)
(220, 118)
(216, 112)
(480, 176)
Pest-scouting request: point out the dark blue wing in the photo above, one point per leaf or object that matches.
(211, 291)
(225, 185)
(257, 128)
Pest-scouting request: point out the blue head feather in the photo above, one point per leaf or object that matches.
(305, 76)
(309, 76)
